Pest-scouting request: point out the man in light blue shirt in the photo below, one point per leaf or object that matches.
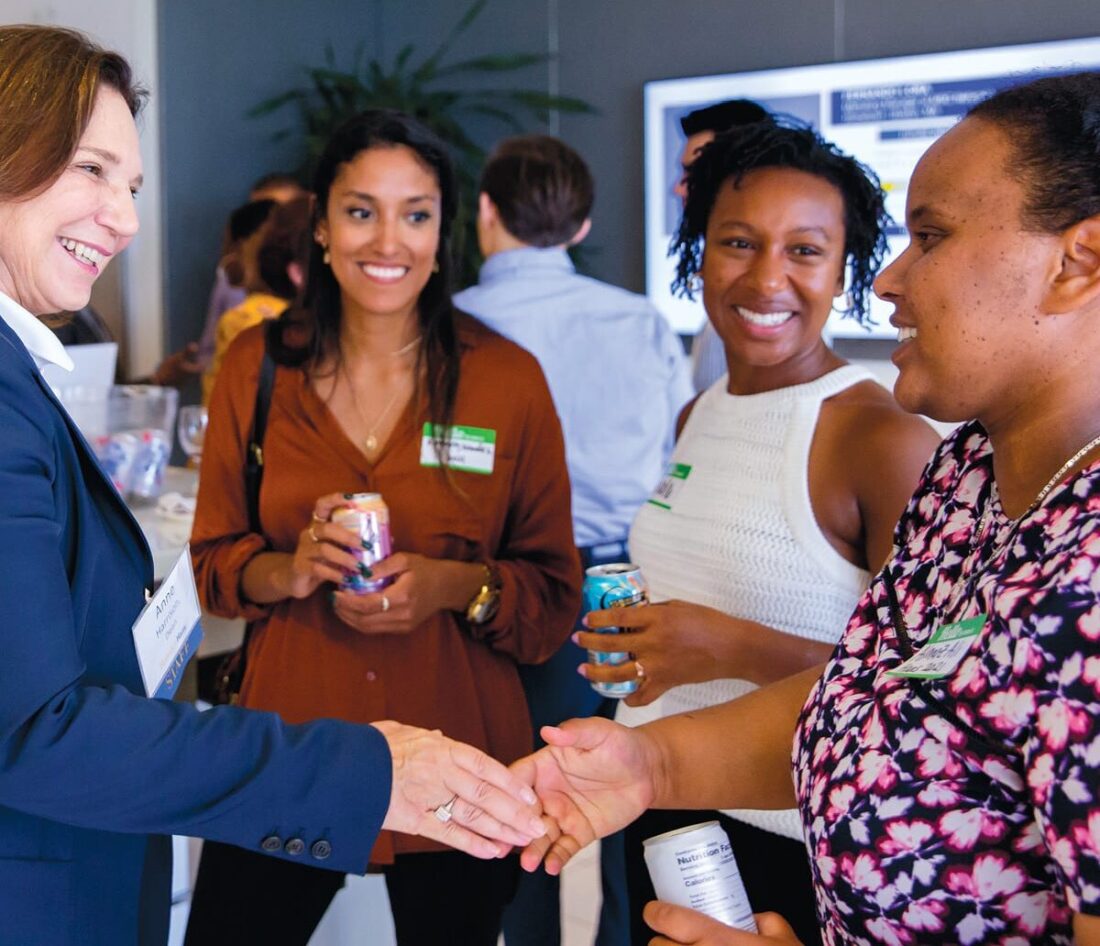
(618, 377)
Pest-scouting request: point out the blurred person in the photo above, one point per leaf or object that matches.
(944, 758)
(279, 186)
(95, 776)
(786, 481)
(708, 358)
(273, 266)
(227, 291)
(377, 378)
(618, 378)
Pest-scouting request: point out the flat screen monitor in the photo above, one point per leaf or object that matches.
(885, 112)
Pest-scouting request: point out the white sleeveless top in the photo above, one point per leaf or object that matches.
(731, 527)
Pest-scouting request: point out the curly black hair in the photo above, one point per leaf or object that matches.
(786, 142)
(1053, 127)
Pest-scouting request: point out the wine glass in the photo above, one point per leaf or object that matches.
(191, 427)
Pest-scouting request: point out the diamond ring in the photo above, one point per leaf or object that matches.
(446, 811)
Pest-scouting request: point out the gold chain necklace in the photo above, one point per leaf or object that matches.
(370, 442)
(1042, 494)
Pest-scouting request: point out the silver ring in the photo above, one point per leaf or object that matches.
(445, 812)
(317, 518)
(385, 608)
(312, 534)
(639, 670)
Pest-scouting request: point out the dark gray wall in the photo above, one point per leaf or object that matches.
(606, 50)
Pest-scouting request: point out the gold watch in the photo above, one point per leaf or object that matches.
(484, 604)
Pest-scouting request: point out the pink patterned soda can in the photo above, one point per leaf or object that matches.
(368, 516)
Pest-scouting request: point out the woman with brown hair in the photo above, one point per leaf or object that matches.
(93, 774)
(381, 386)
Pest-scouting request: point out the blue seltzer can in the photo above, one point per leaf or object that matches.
(619, 585)
(368, 516)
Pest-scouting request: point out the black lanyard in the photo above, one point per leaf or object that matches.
(905, 645)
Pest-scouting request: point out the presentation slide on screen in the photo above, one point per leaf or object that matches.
(885, 112)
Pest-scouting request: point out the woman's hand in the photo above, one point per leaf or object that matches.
(422, 587)
(674, 642)
(681, 927)
(592, 778)
(324, 551)
(492, 811)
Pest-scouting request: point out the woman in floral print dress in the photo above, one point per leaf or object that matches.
(947, 758)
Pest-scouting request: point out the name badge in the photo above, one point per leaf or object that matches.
(675, 477)
(943, 652)
(470, 449)
(167, 632)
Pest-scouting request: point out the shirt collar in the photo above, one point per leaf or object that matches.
(552, 258)
(44, 347)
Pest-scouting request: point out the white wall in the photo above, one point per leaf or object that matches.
(131, 299)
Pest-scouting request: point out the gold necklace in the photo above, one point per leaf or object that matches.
(370, 442)
(1042, 494)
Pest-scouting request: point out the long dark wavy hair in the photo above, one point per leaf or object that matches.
(786, 142)
(308, 334)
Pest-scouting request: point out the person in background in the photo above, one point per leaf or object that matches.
(227, 291)
(381, 386)
(950, 800)
(786, 481)
(618, 378)
(708, 358)
(94, 775)
(272, 263)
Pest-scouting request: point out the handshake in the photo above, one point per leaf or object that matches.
(593, 778)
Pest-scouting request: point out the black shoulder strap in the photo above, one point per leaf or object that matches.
(254, 458)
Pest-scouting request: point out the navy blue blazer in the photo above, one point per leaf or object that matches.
(94, 776)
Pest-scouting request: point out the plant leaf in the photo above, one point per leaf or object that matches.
(427, 68)
(493, 63)
(273, 104)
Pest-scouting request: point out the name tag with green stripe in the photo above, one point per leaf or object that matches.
(944, 651)
(470, 449)
(673, 481)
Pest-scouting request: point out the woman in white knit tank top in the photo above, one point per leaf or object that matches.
(787, 478)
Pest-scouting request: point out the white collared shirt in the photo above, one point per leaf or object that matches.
(44, 347)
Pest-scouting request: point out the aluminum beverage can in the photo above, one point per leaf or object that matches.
(618, 585)
(695, 867)
(368, 516)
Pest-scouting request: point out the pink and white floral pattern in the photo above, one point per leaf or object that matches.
(965, 809)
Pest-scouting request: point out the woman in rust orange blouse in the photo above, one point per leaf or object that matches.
(485, 572)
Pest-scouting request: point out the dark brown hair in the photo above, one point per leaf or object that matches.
(1053, 128)
(49, 78)
(541, 188)
(318, 316)
(286, 239)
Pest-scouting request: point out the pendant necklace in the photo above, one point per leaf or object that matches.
(370, 442)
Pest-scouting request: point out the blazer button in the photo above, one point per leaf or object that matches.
(272, 843)
(294, 846)
(321, 850)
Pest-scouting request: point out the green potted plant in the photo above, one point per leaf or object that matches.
(331, 95)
